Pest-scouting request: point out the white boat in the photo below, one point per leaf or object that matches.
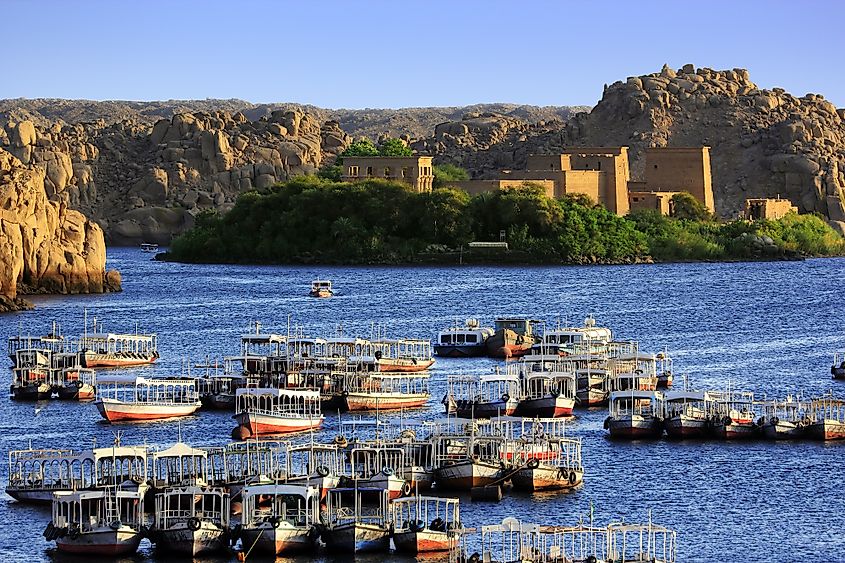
(146, 399)
(360, 524)
(315, 465)
(732, 414)
(425, 524)
(566, 341)
(180, 465)
(465, 462)
(112, 350)
(106, 522)
(635, 414)
(77, 384)
(379, 466)
(486, 396)
(280, 519)
(191, 520)
(826, 418)
(263, 411)
(685, 414)
(548, 389)
(321, 288)
(786, 419)
(463, 342)
(548, 463)
(53, 342)
(387, 391)
(149, 247)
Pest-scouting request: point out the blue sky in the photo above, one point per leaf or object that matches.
(401, 53)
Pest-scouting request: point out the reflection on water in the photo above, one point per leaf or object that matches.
(769, 327)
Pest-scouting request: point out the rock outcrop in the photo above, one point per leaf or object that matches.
(45, 246)
(146, 182)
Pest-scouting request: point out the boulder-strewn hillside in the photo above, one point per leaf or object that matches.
(143, 182)
(414, 122)
(44, 245)
(763, 142)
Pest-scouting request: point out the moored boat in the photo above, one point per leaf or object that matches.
(732, 415)
(77, 384)
(826, 418)
(837, 369)
(513, 337)
(262, 411)
(386, 391)
(106, 522)
(401, 355)
(280, 519)
(144, 399)
(634, 414)
(191, 520)
(558, 467)
(685, 414)
(546, 393)
(357, 521)
(464, 462)
(425, 524)
(566, 341)
(463, 342)
(52, 342)
(784, 420)
(111, 350)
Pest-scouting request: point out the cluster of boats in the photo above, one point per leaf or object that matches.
(53, 366)
(728, 415)
(358, 491)
(576, 366)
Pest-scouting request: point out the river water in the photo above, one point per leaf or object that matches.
(767, 327)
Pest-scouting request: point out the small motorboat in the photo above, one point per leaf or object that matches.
(191, 520)
(321, 288)
(463, 342)
(425, 524)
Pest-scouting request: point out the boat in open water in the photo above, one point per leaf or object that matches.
(321, 288)
(785, 420)
(685, 414)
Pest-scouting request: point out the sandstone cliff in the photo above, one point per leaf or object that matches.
(44, 245)
(763, 142)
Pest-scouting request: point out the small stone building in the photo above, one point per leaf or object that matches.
(767, 208)
(414, 170)
(657, 201)
(669, 171)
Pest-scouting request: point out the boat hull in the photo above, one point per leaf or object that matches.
(208, 538)
(403, 365)
(637, 428)
(116, 360)
(35, 392)
(73, 393)
(262, 424)
(117, 411)
(281, 540)
(384, 401)
(735, 430)
(546, 478)
(466, 474)
(460, 351)
(357, 538)
(827, 430)
(424, 541)
(546, 407)
(506, 343)
(107, 542)
(685, 427)
(783, 430)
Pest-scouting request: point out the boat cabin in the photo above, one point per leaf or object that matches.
(91, 511)
(519, 325)
(149, 247)
(180, 465)
(641, 543)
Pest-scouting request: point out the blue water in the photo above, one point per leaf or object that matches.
(767, 327)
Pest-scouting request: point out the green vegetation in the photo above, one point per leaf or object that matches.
(311, 219)
(365, 147)
(446, 173)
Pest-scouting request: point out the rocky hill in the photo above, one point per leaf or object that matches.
(44, 245)
(372, 123)
(763, 142)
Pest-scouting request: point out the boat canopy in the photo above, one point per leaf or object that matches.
(180, 449)
(672, 396)
(306, 492)
(291, 393)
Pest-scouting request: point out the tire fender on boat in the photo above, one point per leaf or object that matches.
(532, 463)
(573, 478)
(607, 423)
(322, 471)
(193, 524)
(115, 525)
(275, 521)
(406, 489)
